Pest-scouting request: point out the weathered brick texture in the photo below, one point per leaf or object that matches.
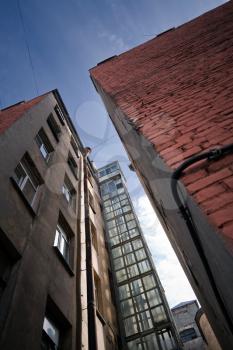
(177, 89)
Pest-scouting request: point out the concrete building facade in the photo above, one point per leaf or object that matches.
(55, 290)
(184, 315)
(145, 318)
(170, 100)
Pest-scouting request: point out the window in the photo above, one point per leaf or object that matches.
(130, 259)
(124, 291)
(140, 302)
(149, 282)
(62, 242)
(140, 254)
(74, 146)
(133, 271)
(127, 308)
(145, 321)
(91, 201)
(159, 314)
(188, 334)
(69, 192)
(118, 263)
(5, 269)
(59, 114)
(144, 266)
(94, 237)
(136, 287)
(44, 145)
(72, 165)
(54, 127)
(27, 178)
(154, 297)
(50, 335)
(98, 293)
(121, 275)
(130, 326)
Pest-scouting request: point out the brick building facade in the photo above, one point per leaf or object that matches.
(170, 100)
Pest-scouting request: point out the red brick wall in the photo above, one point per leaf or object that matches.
(178, 91)
(11, 115)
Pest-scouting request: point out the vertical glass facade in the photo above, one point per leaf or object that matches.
(142, 306)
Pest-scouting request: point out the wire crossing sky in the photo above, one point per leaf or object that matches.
(52, 44)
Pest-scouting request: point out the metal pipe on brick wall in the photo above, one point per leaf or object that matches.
(211, 155)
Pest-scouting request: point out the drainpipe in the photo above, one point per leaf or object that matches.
(91, 309)
(211, 155)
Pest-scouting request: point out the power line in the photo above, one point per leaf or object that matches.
(104, 141)
(28, 48)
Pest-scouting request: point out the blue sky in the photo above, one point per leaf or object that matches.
(66, 38)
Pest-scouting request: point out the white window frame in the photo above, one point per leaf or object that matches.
(45, 146)
(62, 242)
(22, 182)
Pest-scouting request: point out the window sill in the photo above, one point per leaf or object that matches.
(27, 204)
(63, 261)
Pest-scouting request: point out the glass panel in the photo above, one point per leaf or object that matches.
(120, 220)
(115, 200)
(167, 340)
(130, 259)
(44, 151)
(145, 321)
(116, 206)
(159, 314)
(121, 275)
(122, 228)
(66, 192)
(111, 224)
(141, 303)
(127, 307)
(134, 232)
(116, 252)
(107, 209)
(29, 190)
(130, 326)
(133, 271)
(124, 291)
(118, 212)
(144, 266)
(51, 330)
(107, 203)
(140, 254)
(124, 202)
(150, 342)
(124, 236)
(149, 282)
(136, 287)
(129, 217)
(112, 232)
(118, 263)
(135, 345)
(137, 243)
(61, 241)
(114, 240)
(123, 196)
(131, 224)
(127, 248)
(154, 297)
(20, 174)
(188, 334)
(126, 208)
(109, 216)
